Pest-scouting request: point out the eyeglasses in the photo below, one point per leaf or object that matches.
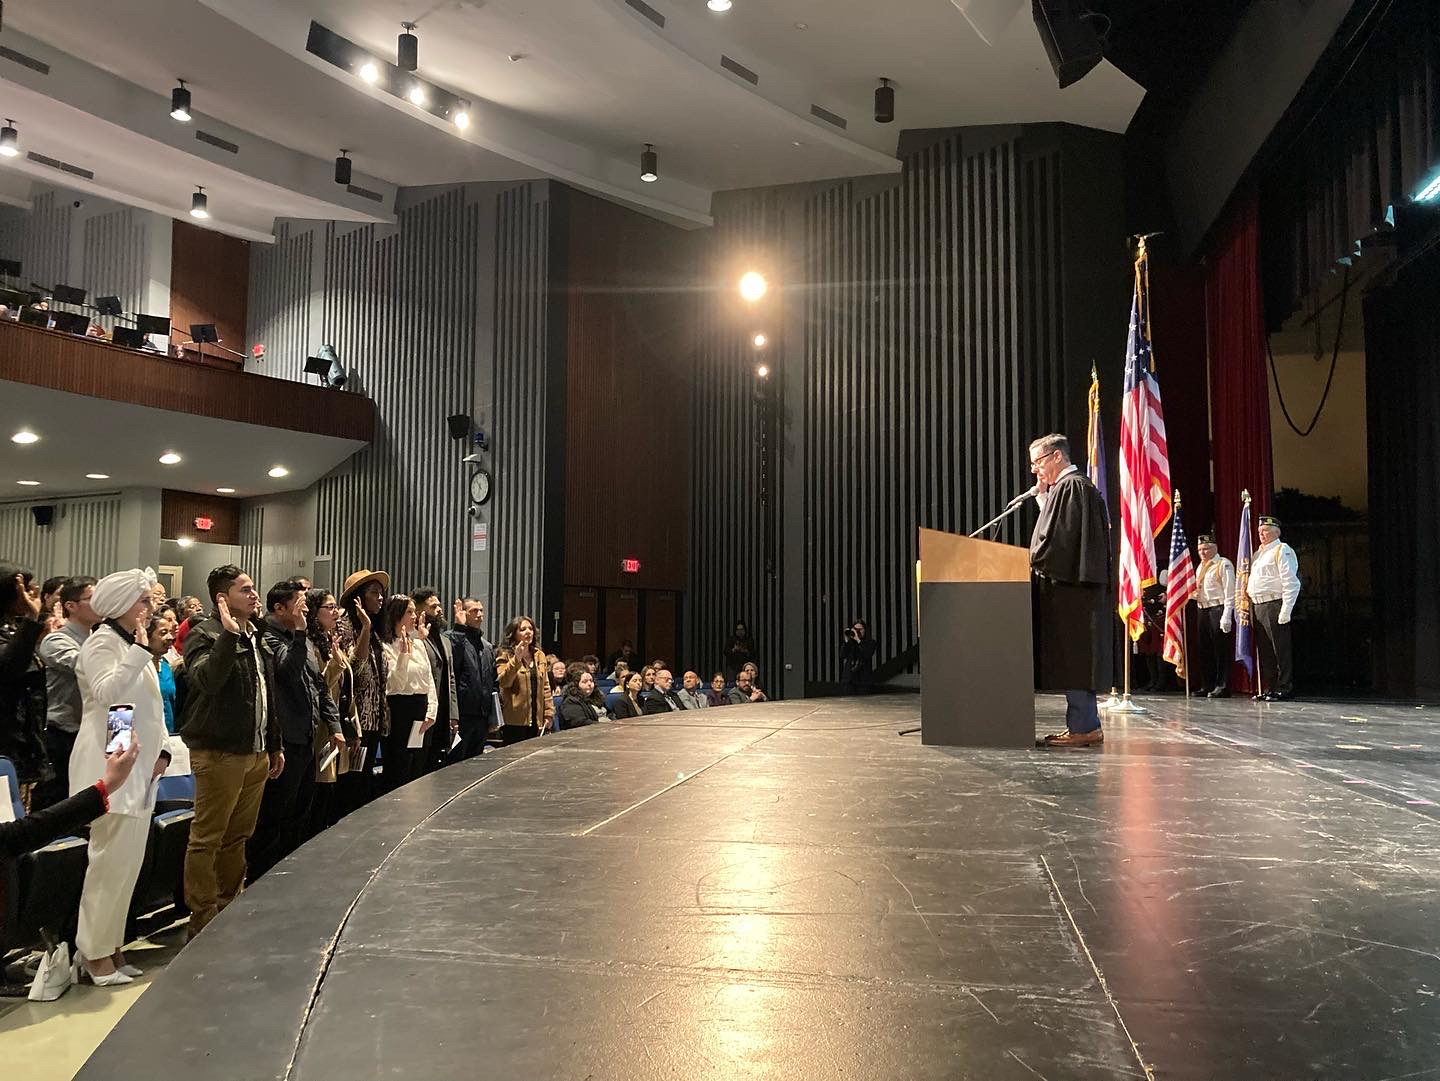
(332, 606)
(1036, 461)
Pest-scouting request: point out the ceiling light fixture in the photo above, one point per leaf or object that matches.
(763, 372)
(417, 95)
(407, 50)
(226, 491)
(97, 476)
(752, 285)
(884, 102)
(184, 542)
(24, 437)
(760, 341)
(462, 117)
(649, 164)
(29, 483)
(278, 471)
(369, 72)
(343, 167)
(199, 203)
(169, 458)
(9, 139)
(180, 103)
(718, 5)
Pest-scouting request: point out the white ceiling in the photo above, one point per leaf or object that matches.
(594, 82)
(80, 435)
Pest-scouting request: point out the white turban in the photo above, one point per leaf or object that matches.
(116, 594)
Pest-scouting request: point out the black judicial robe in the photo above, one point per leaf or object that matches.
(1070, 589)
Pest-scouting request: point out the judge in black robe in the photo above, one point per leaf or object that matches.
(1070, 580)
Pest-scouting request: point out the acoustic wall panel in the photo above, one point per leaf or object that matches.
(279, 309)
(114, 254)
(82, 537)
(46, 259)
(25, 544)
(93, 528)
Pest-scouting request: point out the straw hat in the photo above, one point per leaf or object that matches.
(360, 579)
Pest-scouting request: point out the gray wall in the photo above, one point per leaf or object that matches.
(932, 327)
(84, 537)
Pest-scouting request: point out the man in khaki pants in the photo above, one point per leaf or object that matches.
(233, 733)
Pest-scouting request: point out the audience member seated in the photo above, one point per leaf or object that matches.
(527, 703)
(58, 652)
(625, 653)
(716, 694)
(647, 678)
(630, 704)
(409, 690)
(559, 674)
(38, 829)
(577, 700)
(693, 695)
(754, 671)
(662, 698)
(592, 664)
(619, 673)
(22, 679)
(745, 690)
(115, 666)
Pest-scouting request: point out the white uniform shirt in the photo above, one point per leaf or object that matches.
(1275, 576)
(1217, 584)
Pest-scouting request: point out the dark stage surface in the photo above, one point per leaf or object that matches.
(794, 891)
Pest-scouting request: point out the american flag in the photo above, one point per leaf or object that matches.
(1144, 462)
(1179, 588)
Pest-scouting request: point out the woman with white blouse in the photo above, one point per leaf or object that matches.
(409, 689)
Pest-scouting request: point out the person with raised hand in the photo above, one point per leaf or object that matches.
(409, 689)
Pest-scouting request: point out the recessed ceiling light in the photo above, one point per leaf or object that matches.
(760, 341)
(97, 476)
(763, 372)
(279, 471)
(718, 5)
(369, 72)
(169, 458)
(184, 542)
(25, 437)
(462, 119)
(29, 483)
(416, 95)
(226, 491)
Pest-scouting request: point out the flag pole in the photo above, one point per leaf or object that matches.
(1184, 631)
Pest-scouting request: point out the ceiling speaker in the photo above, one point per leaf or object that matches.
(1070, 41)
(44, 515)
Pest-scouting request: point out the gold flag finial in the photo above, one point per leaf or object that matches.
(1177, 498)
(1245, 496)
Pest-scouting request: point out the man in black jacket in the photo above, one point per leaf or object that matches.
(233, 732)
(441, 652)
(302, 702)
(662, 698)
(474, 678)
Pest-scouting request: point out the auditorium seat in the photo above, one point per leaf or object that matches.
(611, 697)
(175, 793)
(42, 888)
(162, 873)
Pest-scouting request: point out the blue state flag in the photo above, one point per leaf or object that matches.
(1244, 646)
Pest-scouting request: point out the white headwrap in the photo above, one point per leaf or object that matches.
(116, 593)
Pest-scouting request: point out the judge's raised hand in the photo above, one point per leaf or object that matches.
(222, 613)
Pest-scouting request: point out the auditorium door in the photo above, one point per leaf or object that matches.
(579, 622)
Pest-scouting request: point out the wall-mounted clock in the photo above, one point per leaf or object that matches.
(479, 486)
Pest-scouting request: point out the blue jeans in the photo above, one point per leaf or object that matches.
(1082, 713)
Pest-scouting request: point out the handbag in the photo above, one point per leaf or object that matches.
(53, 977)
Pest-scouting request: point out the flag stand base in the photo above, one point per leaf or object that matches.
(1125, 705)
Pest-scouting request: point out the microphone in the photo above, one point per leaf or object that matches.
(1031, 494)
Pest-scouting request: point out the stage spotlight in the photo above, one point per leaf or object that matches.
(763, 371)
(1070, 41)
(180, 103)
(199, 203)
(649, 164)
(718, 5)
(760, 341)
(884, 102)
(370, 72)
(752, 285)
(462, 118)
(417, 95)
(325, 364)
(407, 50)
(9, 139)
(343, 167)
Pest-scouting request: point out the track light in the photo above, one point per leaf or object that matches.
(370, 72)
(416, 95)
(649, 164)
(884, 102)
(343, 166)
(9, 139)
(407, 50)
(462, 117)
(199, 203)
(180, 103)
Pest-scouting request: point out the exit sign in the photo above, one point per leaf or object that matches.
(204, 524)
(630, 566)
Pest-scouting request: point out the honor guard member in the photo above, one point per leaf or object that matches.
(1274, 587)
(1215, 597)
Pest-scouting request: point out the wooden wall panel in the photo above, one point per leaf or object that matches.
(209, 283)
(178, 511)
(622, 620)
(631, 338)
(661, 627)
(579, 606)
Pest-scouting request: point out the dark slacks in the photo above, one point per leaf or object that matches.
(472, 737)
(284, 822)
(1217, 649)
(58, 745)
(517, 733)
(403, 764)
(1277, 670)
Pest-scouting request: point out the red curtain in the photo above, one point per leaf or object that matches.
(1239, 387)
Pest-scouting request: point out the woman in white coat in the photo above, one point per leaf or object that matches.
(115, 668)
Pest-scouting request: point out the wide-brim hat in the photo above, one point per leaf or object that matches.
(360, 579)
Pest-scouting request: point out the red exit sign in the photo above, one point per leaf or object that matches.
(630, 566)
(204, 524)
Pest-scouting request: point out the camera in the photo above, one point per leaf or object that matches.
(849, 632)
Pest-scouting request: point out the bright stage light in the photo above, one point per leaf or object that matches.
(753, 285)
(760, 341)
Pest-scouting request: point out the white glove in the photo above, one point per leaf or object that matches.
(1284, 618)
(1225, 624)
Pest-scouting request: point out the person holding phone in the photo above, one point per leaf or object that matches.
(120, 706)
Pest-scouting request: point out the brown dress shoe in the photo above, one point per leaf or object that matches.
(1076, 739)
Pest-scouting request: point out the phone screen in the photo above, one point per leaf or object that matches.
(118, 728)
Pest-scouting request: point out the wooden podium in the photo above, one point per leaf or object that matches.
(977, 676)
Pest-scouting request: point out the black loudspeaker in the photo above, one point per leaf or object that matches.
(43, 516)
(1070, 41)
(459, 426)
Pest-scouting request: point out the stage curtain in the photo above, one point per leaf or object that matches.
(1239, 387)
(1402, 386)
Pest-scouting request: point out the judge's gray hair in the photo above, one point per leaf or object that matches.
(1048, 444)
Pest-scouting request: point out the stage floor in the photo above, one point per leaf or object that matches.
(1224, 891)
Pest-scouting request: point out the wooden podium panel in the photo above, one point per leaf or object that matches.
(977, 677)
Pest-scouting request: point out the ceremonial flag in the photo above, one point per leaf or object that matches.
(1095, 449)
(1244, 649)
(1144, 461)
(1179, 588)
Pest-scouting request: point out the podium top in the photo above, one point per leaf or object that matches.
(949, 557)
